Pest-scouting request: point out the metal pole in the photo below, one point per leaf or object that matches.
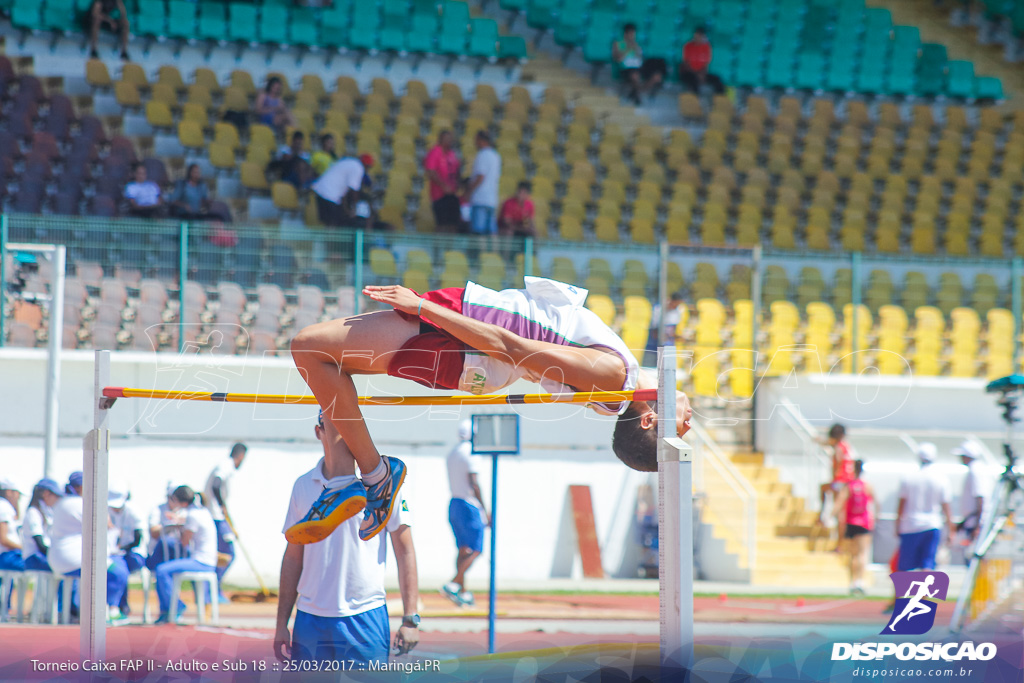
(528, 256)
(1015, 302)
(182, 279)
(855, 298)
(3, 272)
(357, 274)
(494, 545)
(93, 610)
(756, 277)
(675, 527)
(662, 291)
(56, 344)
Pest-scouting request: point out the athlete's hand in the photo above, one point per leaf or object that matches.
(683, 413)
(283, 644)
(406, 639)
(398, 297)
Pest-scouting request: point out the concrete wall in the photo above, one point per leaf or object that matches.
(161, 442)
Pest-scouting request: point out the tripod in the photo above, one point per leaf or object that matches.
(1007, 496)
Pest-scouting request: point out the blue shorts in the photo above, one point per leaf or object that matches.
(467, 523)
(917, 550)
(361, 638)
(481, 220)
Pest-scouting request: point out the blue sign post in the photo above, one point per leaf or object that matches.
(494, 435)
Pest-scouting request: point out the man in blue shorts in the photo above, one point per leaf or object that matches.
(338, 583)
(923, 512)
(466, 513)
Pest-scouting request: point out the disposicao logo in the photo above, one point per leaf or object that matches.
(914, 615)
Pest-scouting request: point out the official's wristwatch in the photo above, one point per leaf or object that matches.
(411, 621)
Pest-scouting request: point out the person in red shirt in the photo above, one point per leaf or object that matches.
(842, 465)
(693, 70)
(442, 167)
(516, 217)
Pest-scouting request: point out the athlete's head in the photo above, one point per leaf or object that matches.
(182, 497)
(635, 438)
(238, 452)
(858, 468)
(836, 433)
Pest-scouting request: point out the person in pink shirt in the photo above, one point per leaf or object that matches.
(516, 217)
(856, 510)
(442, 167)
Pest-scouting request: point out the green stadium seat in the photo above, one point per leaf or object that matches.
(877, 20)
(961, 79)
(541, 13)
(303, 27)
(597, 48)
(749, 71)
(662, 43)
(244, 18)
(181, 19)
(151, 19)
(780, 71)
(27, 14)
(392, 37)
(699, 12)
(931, 70)
(840, 77)
(454, 28)
(274, 23)
(365, 24)
(512, 47)
(635, 11)
(395, 11)
(571, 20)
(900, 80)
(988, 88)
(667, 8)
(60, 15)
(810, 70)
(729, 17)
(483, 38)
(213, 20)
(334, 24)
(871, 78)
(424, 30)
(513, 5)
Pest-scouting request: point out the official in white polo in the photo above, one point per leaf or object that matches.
(977, 491)
(215, 497)
(924, 506)
(338, 584)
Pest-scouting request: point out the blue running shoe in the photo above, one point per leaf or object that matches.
(332, 508)
(381, 499)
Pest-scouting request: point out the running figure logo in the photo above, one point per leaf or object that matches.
(914, 613)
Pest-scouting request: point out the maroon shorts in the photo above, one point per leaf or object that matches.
(433, 357)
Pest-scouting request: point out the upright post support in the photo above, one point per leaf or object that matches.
(528, 256)
(675, 526)
(756, 278)
(357, 273)
(662, 291)
(182, 279)
(492, 589)
(93, 599)
(3, 271)
(855, 298)
(56, 342)
(1015, 302)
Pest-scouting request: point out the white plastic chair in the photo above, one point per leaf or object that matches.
(10, 580)
(197, 579)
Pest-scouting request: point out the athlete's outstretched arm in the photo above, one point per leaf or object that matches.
(586, 369)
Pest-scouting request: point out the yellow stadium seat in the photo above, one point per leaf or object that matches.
(127, 94)
(382, 263)
(253, 176)
(158, 114)
(221, 156)
(262, 135)
(603, 307)
(227, 135)
(190, 135)
(96, 74)
(285, 196)
(705, 374)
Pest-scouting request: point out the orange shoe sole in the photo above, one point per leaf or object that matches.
(317, 530)
(391, 510)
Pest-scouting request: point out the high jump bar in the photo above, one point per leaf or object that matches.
(466, 399)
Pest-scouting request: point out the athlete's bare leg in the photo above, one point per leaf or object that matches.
(329, 353)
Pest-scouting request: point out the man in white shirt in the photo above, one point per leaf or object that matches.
(215, 496)
(10, 531)
(466, 513)
(483, 187)
(65, 556)
(978, 486)
(338, 189)
(143, 195)
(199, 536)
(338, 584)
(924, 504)
(126, 535)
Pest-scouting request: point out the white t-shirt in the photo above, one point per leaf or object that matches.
(125, 522)
(925, 491)
(203, 547)
(461, 464)
(978, 483)
(9, 515)
(144, 194)
(35, 523)
(222, 473)
(343, 175)
(487, 164)
(341, 575)
(168, 520)
(66, 536)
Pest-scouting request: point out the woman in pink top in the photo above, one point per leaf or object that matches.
(856, 511)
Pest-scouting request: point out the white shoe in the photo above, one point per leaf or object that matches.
(451, 591)
(467, 599)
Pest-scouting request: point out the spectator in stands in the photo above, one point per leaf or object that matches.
(292, 162)
(323, 159)
(199, 535)
(215, 497)
(638, 74)
(516, 216)
(125, 536)
(673, 314)
(270, 107)
(110, 13)
(977, 490)
(856, 510)
(693, 70)
(467, 513)
(165, 525)
(442, 167)
(143, 195)
(35, 527)
(191, 198)
(483, 187)
(339, 191)
(923, 512)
